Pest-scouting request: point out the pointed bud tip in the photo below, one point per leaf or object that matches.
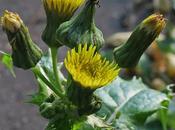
(155, 23)
(11, 21)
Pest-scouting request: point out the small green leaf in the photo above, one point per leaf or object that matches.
(97, 122)
(59, 124)
(42, 94)
(46, 68)
(6, 59)
(82, 126)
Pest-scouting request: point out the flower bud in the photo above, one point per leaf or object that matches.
(81, 29)
(47, 110)
(11, 21)
(88, 72)
(57, 12)
(25, 53)
(128, 54)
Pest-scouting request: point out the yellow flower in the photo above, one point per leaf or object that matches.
(89, 69)
(62, 8)
(154, 23)
(11, 21)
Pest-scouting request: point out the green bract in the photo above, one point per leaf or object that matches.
(88, 103)
(25, 53)
(128, 54)
(81, 29)
(57, 12)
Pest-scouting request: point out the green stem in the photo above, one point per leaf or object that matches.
(163, 114)
(44, 79)
(54, 52)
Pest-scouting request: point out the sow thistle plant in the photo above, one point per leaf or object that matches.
(92, 95)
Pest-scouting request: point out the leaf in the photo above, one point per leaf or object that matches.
(47, 70)
(42, 94)
(131, 100)
(81, 123)
(6, 59)
(82, 126)
(92, 122)
(96, 122)
(126, 123)
(65, 123)
(58, 124)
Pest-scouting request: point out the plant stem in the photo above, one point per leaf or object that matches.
(163, 116)
(44, 79)
(54, 52)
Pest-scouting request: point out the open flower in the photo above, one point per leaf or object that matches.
(57, 11)
(11, 21)
(88, 68)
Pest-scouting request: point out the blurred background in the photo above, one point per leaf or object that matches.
(116, 18)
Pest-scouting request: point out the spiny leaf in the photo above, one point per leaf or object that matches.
(132, 100)
(42, 94)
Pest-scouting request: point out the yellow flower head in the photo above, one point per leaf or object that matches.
(62, 8)
(11, 21)
(154, 23)
(88, 68)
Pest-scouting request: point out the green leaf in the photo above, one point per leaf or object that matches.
(82, 126)
(126, 123)
(131, 101)
(66, 123)
(92, 122)
(6, 59)
(96, 122)
(42, 94)
(47, 69)
(82, 123)
(59, 124)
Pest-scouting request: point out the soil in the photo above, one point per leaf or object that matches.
(15, 113)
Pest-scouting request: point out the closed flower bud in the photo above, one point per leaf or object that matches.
(128, 54)
(89, 71)
(11, 21)
(81, 29)
(57, 11)
(25, 53)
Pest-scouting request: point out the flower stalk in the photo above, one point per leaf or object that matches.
(54, 52)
